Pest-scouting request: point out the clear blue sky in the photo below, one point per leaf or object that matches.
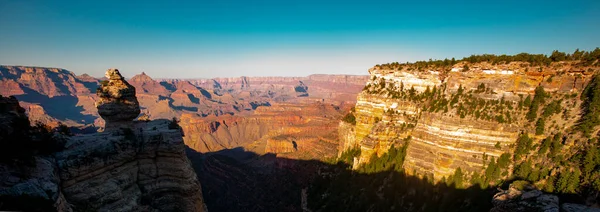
(223, 38)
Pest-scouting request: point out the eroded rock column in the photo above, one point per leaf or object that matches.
(117, 104)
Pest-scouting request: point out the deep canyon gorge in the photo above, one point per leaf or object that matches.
(483, 133)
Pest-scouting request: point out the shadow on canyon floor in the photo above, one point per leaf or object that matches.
(60, 107)
(238, 180)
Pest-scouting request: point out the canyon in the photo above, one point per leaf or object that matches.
(428, 135)
(215, 114)
(292, 117)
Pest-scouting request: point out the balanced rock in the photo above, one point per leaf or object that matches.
(117, 104)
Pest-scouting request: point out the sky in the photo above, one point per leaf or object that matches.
(227, 38)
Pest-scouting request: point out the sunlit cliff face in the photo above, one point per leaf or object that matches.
(453, 118)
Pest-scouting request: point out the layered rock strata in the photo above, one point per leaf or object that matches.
(117, 103)
(142, 169)
(399, 105)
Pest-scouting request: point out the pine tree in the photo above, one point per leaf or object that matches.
(563, 181)
(573, 182)
(457, 179)
(527, 102)
(539, 126)
(589, 162)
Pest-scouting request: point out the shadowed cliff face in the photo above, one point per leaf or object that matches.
(55, 95)
(238, 180)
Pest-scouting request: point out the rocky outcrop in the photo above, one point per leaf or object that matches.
(144, 168)
(528, 199)
(140, 168)
(524, 197)
(117, 103)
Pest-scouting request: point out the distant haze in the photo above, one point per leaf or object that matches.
(205, 39)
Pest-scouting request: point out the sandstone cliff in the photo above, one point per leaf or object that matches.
(454, 118)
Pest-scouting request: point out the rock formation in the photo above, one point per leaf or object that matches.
(146, 85)
(525, 197)
(144, 168)
(140, 168)
(117, 103)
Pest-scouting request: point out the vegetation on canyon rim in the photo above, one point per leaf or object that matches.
(585, 58)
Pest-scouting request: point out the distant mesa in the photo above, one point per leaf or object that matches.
(117, 103)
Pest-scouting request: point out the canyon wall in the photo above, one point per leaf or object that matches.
(294, 129)
(439, 113)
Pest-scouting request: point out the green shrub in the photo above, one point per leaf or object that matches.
(348, 155)
(350, 118)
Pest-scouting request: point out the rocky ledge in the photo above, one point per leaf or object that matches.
(140, 169)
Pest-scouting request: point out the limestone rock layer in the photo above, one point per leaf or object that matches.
(145, 170)
(441, 139)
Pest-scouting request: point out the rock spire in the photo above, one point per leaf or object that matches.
(117, 103)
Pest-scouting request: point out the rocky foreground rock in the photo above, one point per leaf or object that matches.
(530, 199)
(140, 168)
